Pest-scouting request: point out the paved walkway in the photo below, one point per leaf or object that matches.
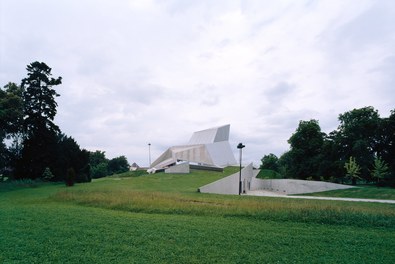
(274, 194)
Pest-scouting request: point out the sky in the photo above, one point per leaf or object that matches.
(136, 72)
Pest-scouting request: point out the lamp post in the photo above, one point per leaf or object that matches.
(149, 154)
(240, 146)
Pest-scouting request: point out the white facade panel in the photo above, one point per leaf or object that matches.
(221, 154)
(208, 147)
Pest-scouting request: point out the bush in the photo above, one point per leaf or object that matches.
(70, 178)
(47, 175)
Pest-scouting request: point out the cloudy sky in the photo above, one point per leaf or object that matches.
(137, 72)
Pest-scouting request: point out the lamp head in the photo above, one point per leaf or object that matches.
(240, 146)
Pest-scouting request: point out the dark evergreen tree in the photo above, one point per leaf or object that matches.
(39, 108)
(69, 155)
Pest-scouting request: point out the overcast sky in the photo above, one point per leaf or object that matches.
(137, 72)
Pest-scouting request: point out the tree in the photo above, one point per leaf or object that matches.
(380, 170)
(118, 165)
(358, 137)
(69, 155)
(11, 115)
(70, 178)
(100, 170)
(270, 162)
(284, 164)
(11, 109)
(99, 164)
(330, 164)
(47, 175)
(306, 144)
(97, 157)
(386, 145)
(353, 170)
(39, 152)
(39, 98)
(39, 109)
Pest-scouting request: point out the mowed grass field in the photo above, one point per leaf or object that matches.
(365, 192)
(161, 218)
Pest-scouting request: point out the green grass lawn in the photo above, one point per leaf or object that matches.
(367, 192)
(162, 218)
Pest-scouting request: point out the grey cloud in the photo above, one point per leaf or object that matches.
(373, 27)
(130, 74)
(279, 92)
(375, 24)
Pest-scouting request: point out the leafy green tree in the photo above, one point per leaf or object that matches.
(380, 170)
(118, 165)
(99, 164)
(358, 137)
(270, 162)
(353, 170)
(100, 170)
(330, 163)
(11, 115)
(97, 157)
(306, 145)
(11, 109)
(386, 145)
(362, 134)
(284, 164)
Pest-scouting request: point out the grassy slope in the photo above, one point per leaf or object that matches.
(37, 226)
(368, 192)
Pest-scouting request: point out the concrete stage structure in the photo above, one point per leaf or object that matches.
(209, 148)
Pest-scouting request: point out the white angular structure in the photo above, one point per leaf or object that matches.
(278, 187)
(208, 147)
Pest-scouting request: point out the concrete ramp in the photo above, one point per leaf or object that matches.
(250, 184)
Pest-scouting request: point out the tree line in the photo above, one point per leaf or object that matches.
(32, 146)
(361, 149)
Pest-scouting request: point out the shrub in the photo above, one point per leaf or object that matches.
(47, 175)
(70, 178)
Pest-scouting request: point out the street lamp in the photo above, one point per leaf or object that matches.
(149, 154)
(240, 146)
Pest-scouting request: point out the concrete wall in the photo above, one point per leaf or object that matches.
(288, 186)
(179, 168)
(230, 184)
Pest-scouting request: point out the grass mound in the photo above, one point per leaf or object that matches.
(161, 218)
(177, 194)
(365, 192)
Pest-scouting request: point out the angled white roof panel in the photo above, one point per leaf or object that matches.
(211, 135)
